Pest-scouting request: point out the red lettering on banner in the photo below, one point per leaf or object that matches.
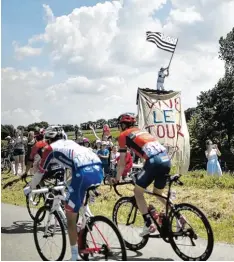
(168, 131)
(178, 130)
(158, 131)
(170, 101)
(177, 104)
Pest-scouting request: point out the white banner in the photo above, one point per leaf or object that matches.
(163, 116)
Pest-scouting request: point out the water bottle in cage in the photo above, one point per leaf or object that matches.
(153, 212)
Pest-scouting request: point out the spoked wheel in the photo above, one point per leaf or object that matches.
(5, 166)
(49, 235)
(101, 240)
(34, 202)
(128, 219)
(191, 234)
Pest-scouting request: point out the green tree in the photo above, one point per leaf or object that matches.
(226, 51)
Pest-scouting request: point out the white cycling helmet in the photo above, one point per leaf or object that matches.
(98, 141)
(8, 137)
(54, 134)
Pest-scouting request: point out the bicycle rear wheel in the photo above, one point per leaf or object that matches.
(190, 231)
(54, 250)
(128, 219)
(102, 239)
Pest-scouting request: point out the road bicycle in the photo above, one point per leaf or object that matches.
(180, 222)
(53, 176)
(6, 165)
(92, 240)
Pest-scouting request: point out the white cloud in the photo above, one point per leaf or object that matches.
(24, 51)
(188, 16)
(104, 52)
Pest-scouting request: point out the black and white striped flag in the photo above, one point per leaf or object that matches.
(162, 41)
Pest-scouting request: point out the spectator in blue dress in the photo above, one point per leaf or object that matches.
(212, 153)
(103, 154)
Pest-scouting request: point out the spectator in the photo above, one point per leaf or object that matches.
(212, 152)
(86, 143)
(30, 143)
(161, 77)
(19, 151)
(103, 154)
(128, 165)
(97, 146)
(113, 157)
(106, 131)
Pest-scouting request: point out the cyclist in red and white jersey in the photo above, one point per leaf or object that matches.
(157, 163)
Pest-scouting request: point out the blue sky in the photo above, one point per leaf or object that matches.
(21, 19)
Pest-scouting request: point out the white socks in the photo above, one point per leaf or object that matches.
(74, 253)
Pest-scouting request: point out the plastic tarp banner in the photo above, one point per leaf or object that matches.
(163, 116)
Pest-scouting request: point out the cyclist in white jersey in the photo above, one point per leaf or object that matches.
(86, 170)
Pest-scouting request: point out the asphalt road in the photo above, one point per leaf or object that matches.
(18, 244)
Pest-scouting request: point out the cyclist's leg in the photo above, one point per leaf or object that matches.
(82, 179)
(143, 180)
(160, 180)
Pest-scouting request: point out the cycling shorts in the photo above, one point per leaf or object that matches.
(82, 179)
(155, 169)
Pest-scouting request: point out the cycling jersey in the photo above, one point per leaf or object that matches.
(85, 165)
(141, 142)
(68, 153)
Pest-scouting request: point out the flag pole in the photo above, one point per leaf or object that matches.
(172, 54)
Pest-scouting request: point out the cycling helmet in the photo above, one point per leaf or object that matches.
(8, 138)
(85, 140)
(54, 135)
(127, 118)
(98, 141)
(104, 143)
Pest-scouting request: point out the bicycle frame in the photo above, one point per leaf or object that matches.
(168, 204)
(56, 207)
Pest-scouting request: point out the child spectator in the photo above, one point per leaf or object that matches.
(103, 154)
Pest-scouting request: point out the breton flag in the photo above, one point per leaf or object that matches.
(162, 41)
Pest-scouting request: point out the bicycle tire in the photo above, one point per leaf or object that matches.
(106, 220)
(28, 204)
(210, 246)
(38, 221)
(7, 166)
(145, 239)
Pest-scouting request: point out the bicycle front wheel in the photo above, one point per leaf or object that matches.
(101, 240)
(49, 235)
(34, 202)
(129, 220)
(191, 235)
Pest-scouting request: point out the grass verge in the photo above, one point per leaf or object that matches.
(214, 196)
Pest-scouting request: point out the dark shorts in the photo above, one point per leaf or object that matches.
(18, 152)
(82, 179)
(155, 169)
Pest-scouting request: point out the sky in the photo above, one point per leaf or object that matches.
(75, 61)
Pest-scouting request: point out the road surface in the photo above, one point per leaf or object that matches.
(18, 243)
